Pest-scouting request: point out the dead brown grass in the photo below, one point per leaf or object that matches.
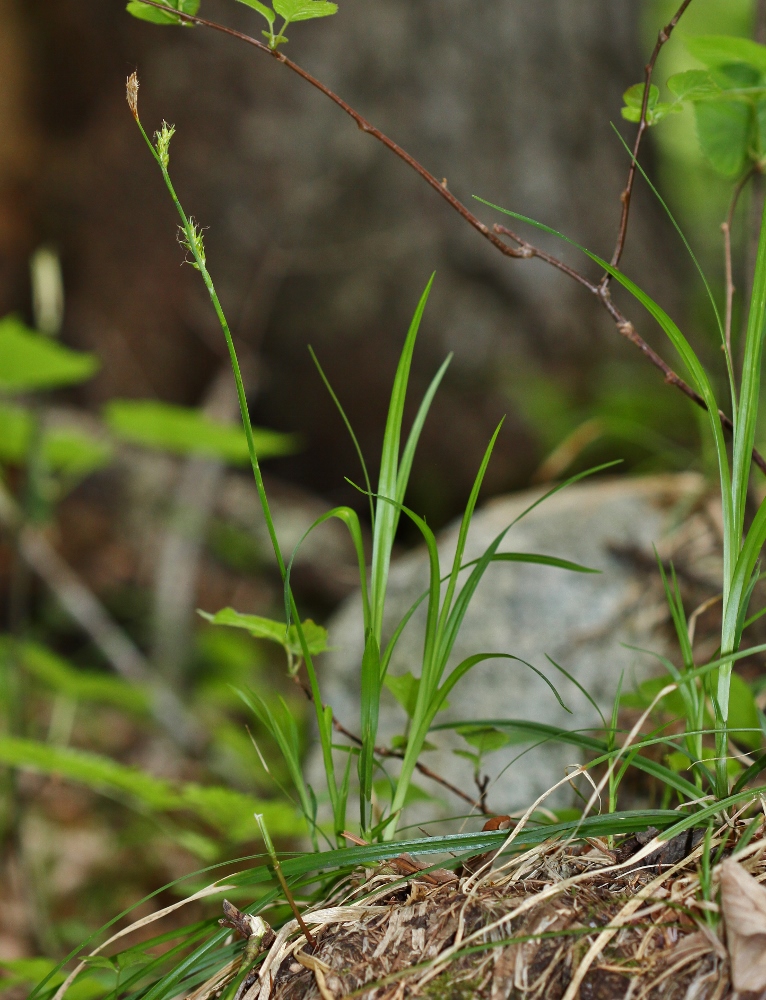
(556, 923)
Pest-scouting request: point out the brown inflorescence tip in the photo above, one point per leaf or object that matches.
(131, 92)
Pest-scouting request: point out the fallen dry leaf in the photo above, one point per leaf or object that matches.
(744, 909)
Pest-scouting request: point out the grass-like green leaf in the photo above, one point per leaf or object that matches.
(370, 708)
(389, 486)
(81, 685)
(229, 812)
(282, 727)
(537, 732)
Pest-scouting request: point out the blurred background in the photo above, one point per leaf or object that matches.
(126, 503)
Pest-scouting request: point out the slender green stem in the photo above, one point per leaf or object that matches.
(193, 243)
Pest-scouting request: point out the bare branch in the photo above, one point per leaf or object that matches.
(626, 328)
(387, 752)
(525, 250)
(625, 197)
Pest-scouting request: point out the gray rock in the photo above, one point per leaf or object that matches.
(583, 621)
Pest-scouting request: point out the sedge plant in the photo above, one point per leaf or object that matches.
(727, 97)
(446, 600)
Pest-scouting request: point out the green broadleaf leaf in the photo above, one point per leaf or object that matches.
(692, 84)
(718, 50)
(146, 13)
(151, 14)
(634, 96)
(724, 130)
(30, 361)
(662, 110)
(486, 739)
(267, 12)
(186, 431)
(273, 631)
(736, 76)
(405, 687)
(655, 111)
(100, 962)
(304, 10)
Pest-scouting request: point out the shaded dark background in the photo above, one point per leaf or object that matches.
(317, 234)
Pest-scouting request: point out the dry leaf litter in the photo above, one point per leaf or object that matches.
(558, 922)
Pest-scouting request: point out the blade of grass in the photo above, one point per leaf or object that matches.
(386, 517)
(349, 428)
(193, 242)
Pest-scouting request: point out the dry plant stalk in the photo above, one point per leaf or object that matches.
(554, 923)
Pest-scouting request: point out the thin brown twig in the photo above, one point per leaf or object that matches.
(626, 328)
(726, 230)
(388, 752)
(622, 232)
(526, 250)
(439, 186)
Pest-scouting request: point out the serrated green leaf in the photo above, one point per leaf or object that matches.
(718, 50)
(486, 739)
(273, 631)
(736, 76)
(30, 361)
(187, 431)
(155, 16)
(634, 96)
(405, 687)
(262, 9)
(304, 10)
(660, 111)
(655, 110)
(724, 130)
(692, 84)
(100, 962)
(145, 13)
(631, 114)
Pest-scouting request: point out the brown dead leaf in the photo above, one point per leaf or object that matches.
(744, 908)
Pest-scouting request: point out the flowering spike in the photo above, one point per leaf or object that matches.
(131, 92)
(162, 143)
(192, 241)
